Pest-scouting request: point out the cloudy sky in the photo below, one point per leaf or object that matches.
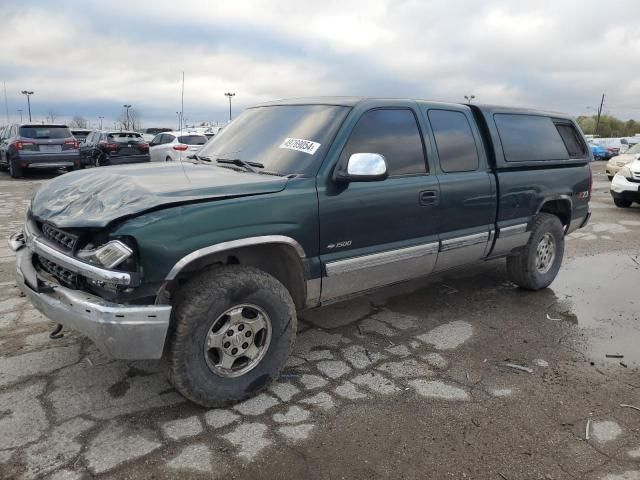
(91, 57)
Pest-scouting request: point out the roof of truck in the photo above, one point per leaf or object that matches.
(353, 101)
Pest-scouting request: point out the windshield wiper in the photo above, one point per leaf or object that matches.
(241, 163)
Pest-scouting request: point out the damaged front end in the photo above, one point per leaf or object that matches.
(89, 282)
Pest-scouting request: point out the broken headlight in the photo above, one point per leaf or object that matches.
(109, 255)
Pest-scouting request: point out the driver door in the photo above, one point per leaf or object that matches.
(380, 232)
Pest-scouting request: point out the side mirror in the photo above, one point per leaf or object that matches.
(363, 167)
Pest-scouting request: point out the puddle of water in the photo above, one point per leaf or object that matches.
(601, 291)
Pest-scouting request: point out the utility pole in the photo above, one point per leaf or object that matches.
(229, 94)
(127, 118)
(20, 112)
(599, 113)
(6, 104)
(28, 94)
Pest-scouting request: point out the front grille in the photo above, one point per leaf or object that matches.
(63, 239)
(67, 277)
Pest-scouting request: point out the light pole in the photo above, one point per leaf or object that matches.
(20, 112)
(179, 114)
(469, 98)
(100, 119)
(28, 93)
(127, 107)
(229, 94)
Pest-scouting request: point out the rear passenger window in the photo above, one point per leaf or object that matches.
(454, 140)
(393, 134)
(529, 138)
(572, 140)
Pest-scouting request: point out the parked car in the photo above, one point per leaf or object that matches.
(294, 205)
(599, 152)
(80, 134)
(175, 146)
(149, 133)
(38, 146)
(625, 186)
(110, 147)
(619, 161)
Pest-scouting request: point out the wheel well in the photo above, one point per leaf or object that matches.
(278, 260)
(561, 208)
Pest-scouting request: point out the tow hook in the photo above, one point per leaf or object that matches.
(55, 334)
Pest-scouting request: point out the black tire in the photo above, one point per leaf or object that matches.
(14, 170)
(522, 268)
(622, 202)
(198, 304)
(168, 159)
(610, 177)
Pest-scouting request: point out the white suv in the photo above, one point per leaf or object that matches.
(625, 186)
(175, 146)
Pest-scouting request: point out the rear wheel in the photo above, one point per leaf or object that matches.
(168, 159)
(232, 331)
(537, 265)
(621, 202)
(14, 169)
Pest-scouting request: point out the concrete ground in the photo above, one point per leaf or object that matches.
(457, 376)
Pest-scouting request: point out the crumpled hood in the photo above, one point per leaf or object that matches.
(95, 197)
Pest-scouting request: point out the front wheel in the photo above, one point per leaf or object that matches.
(537, 265)
(232, 331)
(622, 202)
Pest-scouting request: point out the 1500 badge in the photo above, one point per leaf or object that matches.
(346, 243)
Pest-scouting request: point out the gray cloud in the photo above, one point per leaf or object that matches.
(90, 58)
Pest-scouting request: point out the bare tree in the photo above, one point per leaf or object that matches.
(52, 115)
(130, 122)
(78, 121)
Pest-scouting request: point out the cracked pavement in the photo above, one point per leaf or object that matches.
(406, 382)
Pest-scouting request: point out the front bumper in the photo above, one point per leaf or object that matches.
(623, 189)
(131, 332)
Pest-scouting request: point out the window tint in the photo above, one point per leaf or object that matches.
(193, 139)
(454, 141)
(529, 138)
(45, 132)
(156, 140)
(124, 137)
(572, 140)
(393, 134)
(166, 138)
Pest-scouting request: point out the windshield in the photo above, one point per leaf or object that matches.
(286, 139)
(193, 139)
(124, 137)
(634, 149)
(45, 132)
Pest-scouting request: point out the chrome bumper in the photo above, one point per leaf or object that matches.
(132, 332)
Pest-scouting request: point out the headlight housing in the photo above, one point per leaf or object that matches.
(109, 255)
(625, 172)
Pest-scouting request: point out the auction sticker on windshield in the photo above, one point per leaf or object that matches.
(301, 145)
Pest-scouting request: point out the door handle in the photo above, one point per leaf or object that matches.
(428, 197)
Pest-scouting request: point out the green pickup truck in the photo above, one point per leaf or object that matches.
(295, 205)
